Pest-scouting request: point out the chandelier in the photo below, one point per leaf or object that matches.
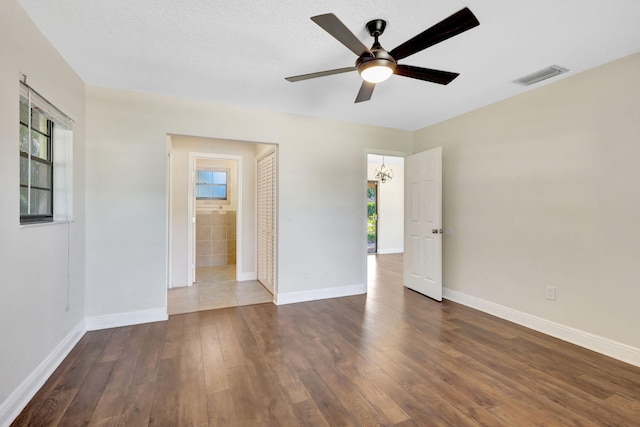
(383, 173)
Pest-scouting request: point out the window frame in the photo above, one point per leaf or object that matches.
(213, 185)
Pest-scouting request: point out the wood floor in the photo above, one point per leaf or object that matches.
(392, 357)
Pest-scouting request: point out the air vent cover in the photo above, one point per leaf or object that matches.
(541, 75)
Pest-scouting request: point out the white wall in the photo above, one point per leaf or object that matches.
(181, 147)
(33, 260)
(544, 189)
(390, 205)
(321, 215)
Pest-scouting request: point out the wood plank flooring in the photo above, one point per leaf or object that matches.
(392, 357)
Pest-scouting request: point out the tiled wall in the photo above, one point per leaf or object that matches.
(215, 238)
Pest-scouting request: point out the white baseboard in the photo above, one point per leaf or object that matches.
(390, 251)
(126, 319)
(252, 275)
(316, 294)
(16, 402)
(617, 350)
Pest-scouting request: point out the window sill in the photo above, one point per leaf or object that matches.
(49, 223)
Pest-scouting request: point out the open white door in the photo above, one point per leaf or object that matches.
(423, 223)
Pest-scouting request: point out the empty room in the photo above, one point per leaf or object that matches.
(187, 234)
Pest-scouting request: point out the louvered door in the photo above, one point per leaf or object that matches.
(267, 169)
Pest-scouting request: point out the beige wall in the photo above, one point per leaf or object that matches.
(544, 189)
(321, 217)
(33, 260)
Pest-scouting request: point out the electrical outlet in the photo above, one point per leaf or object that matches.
(550, 293)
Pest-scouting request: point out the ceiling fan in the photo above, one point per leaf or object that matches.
(376, 64)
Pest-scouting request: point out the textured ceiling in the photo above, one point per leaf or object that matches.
(238, 52)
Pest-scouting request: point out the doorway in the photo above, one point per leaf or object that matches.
(215, 194)
(385, 204)
(212, 241)
(214, 206)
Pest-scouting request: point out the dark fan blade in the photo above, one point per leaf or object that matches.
(366, 90)
(320, 74)
(457, 23)
(434, 76)
(332, 25)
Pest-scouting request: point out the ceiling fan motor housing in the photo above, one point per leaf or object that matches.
(377, 57)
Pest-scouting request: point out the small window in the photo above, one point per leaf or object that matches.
(46, 147)
(211, 185)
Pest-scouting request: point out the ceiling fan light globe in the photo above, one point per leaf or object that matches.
(376, 70)
(376, 74)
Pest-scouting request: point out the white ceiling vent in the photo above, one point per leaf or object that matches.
(541, 75)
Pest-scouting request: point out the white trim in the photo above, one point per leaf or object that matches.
(244, 276)
(48, 223)
(584, 339)
(126, 319)
(169, 227)
(390, 251)
(191, 227)
(18, 400)
(317, 294)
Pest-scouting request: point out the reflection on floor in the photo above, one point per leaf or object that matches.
(216, 287)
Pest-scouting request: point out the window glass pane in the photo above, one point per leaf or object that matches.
(220, 192)
(38, 121)
(24, 138)
(24, 111)
(219, 177)
(40, 202)
(204, 177)
(204, 191)
(39, 145)
(40, 174)
(23, 201)
(24, 171)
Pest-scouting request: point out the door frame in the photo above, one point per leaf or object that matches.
(191, 241)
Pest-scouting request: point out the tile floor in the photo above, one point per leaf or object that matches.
(216, 287)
